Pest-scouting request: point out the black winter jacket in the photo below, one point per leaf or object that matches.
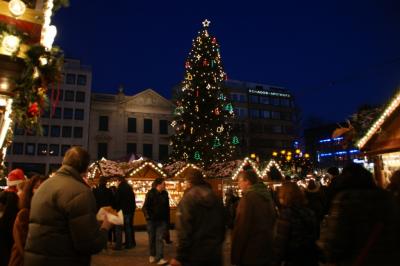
(200, 227)
(125, 198)
(63, 229)
(156, 206)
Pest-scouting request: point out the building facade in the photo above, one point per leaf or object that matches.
(265, 117)
(65, 123)
(122, 126)
(327, 151)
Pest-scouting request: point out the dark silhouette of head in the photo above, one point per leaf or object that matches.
(355, 176)
(290, 194)
(195, 177)
(249, 175)
(78, 158)
(333, 171)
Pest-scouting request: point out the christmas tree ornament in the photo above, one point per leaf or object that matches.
(235, 140)
(208, 86)
(220, 129)
(216, 111)
(191, 130)
(217, 143)
(196, 108)
(189, 76)
(197, 155)
(205, 62)
(187, 64)
(33, 109)
(197, 93)
(214, 40)
(185, 156)
(229, 108)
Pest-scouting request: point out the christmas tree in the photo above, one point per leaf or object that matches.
(203, 114)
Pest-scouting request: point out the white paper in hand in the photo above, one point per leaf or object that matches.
(111, 217)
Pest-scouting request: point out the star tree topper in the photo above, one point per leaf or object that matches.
(206, 23)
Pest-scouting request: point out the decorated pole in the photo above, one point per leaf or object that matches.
(29, 64)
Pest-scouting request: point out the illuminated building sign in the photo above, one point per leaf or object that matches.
(269, 93)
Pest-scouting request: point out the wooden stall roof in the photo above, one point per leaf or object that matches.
(384, 135)
(147, 170)
(267, 169)
(230, 169)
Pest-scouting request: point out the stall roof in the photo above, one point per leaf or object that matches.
(387, 112)
(270, 164)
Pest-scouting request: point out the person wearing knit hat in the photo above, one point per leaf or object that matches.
(15, 177)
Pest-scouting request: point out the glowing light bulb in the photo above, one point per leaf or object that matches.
(17, 7)
(10, 44)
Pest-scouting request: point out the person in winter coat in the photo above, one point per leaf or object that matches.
(255, 219)
(103, 195)
(296, 229)
(20, 230)
(200, 224)
(125, 201)
(63, 229)
(231, 203)
(8, 213)
(362, 225)
(156, 212)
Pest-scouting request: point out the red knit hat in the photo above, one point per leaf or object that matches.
(15, 177)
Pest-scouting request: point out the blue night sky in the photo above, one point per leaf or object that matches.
(333, 55)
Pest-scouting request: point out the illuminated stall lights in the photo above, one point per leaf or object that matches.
(152, 165)
(7, 119)
(17, 8)
(267, 169)
(186, 167)
(378, 123)
(245, 162)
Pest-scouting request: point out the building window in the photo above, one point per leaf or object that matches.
(130, 148)
(148, 150)
(265, 114)
(30, 148)
(54, 149)
(55, 131)
(66, 132)
(234, 97)
(64, 149)
(31, 132)
(46, 112)
(60, 95)
(57, 113)
(79, 114)
(277, 129)
(53, 167)
(131, 125)
(254, 113)
(18, 148)
(276, 115)
(68, 113)
(102, 150)
(148, 126)
(164, 127)
(70, 79)
(19, 131)
(254, 99)
(285, 102)
(42, 149)
(240, 112)
(80, 96)
(242, 98)
(264, 99)
(103, 123)
(275, 101)
(163, 152)
(45, 130)
(81, 80)
(78, 132)
(69, 96)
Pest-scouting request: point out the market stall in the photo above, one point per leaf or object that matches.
(272, 175)
(381, 143)
(225, 175)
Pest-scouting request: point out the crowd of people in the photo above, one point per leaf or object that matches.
(351, 221)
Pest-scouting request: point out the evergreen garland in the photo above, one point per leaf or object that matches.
(42, 69)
